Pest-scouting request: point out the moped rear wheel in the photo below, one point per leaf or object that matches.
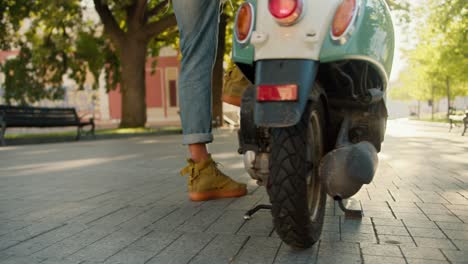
(297, 197)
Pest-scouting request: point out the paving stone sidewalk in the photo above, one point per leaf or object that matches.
(123, 201)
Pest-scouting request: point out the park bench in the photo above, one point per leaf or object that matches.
(453, 118)
(26, 116)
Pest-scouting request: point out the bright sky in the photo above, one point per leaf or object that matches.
(398, 63)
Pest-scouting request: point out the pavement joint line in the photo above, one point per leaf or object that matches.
(255, 190)
(68, 218)
(271, 233)
(434, 192)
(395, 171)
(449, 170)
(212, 222)
(339, 221)
(188, 218)
(375, 231)
(162, 249)
(29, 212)
(110, 213)
(445, 256)
(396, 186)
(438, 186)
(240, 249)
(445, 234)
(60, 241)
(391, 210)
(206, 245)
(367, 192)
(20, 228)
(240, 227)
(407, 229)
(466, 198)
(32, 237)
(138, 214)
(94, 196)
(417, 196)
(391, 195)
(87, 211)
(448, 238)
(276, 253)
(83, 247)
(317, 251)
(162, 217)
(361, 255)
(401, 251)
(120, 250)
(454, 214)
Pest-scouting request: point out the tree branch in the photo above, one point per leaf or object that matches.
(155, 28)
(140, 9)
(110, 24)
(157, 9)
(136, 14)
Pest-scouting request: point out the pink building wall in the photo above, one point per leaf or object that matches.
(156, 87)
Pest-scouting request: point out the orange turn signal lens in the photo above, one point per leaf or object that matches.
(344, 17)
(244, 22)
(282, 92)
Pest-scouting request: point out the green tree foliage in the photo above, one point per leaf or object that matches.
(55, 39)
(438, 62)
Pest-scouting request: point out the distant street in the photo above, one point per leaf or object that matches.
(123, 201)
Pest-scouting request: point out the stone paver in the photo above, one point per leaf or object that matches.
(123, 201)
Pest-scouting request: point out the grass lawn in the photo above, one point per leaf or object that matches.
(117, 131)
(438, 117)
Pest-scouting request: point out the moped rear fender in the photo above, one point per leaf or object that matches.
(284, 71)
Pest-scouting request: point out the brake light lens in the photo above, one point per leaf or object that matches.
(286, 12)
(283, 92)
(244, 22)
(344, 16)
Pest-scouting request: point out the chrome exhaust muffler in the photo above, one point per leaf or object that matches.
(349, 166)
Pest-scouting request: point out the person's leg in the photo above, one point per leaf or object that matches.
(198, 152)
(198, 26)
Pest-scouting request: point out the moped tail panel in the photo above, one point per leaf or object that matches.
(371, 39)
(277, 72)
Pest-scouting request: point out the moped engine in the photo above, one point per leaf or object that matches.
(257, 166)
(254, 142)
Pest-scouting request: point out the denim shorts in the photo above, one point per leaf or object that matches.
(198, 22)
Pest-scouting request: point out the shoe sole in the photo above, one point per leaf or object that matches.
(205, 196)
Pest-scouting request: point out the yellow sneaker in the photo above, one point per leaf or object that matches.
(207, 182)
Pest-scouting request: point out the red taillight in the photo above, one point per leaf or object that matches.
(283, 92)
(244, 22)
(286, 12)
(344, 17)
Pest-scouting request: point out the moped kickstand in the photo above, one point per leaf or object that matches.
(350, 213)
(248, 215)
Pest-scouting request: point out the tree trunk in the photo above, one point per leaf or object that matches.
(133, 88)
(218, 72)
(433, 102)
(447, 83)
(419, 109)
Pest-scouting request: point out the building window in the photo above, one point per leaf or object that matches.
(172, 93)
